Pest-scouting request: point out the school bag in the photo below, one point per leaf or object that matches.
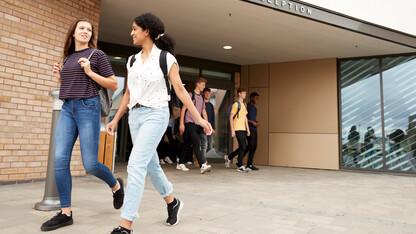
(174, 103)
(105, 95)
(238, 109)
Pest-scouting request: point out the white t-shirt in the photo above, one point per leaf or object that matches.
(146, 82)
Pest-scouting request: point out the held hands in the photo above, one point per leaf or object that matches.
(110, 127)
(85, 64)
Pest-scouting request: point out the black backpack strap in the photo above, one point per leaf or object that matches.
(164, 66)
(193, 97)
(132, 60)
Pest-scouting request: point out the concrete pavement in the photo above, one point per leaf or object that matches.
(272, 200)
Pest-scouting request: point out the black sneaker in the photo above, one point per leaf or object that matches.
(173, 213)
(252, 167)
(118, 196)
(121, 230)
(59, 220)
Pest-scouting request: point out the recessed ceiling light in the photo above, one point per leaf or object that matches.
(227, 47)
(117, 57)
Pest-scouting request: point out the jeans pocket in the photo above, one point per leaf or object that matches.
(90, 102)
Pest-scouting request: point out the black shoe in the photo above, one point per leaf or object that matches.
(173, 213)
(121, 230)
(252, 167)
(59, 220)
(118, 196)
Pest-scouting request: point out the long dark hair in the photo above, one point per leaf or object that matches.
(69, 45)
(156, 31)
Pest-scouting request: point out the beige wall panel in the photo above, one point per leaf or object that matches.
(259, 75)
(304, 150)
(244, 76)
(303, 97)
(261, 156)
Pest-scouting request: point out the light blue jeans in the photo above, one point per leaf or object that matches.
(78, 117)
(147, 126)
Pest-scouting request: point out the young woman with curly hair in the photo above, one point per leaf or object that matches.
(147, 98)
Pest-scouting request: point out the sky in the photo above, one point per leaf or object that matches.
(396, 14)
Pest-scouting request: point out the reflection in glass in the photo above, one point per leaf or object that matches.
(220, 98)
(361, 114)
(399, 86)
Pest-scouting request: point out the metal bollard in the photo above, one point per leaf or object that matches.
(51, 198)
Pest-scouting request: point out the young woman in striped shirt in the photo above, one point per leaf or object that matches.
(80, 115)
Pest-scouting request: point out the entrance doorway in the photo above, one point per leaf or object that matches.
(220, 77)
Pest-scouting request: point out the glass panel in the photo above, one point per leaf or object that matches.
(116, 99)
(220, 99)
(189, 70)
(361, 114)
(215, 74)
(399, 85)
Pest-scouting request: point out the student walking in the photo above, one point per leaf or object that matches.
(147, 98)
(207, 140)
(193, 130)
(239, 129)
(253, 124)
(80, 115)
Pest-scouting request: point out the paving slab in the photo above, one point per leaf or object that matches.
(224, 201)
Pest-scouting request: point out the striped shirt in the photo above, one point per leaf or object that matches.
(74, 82)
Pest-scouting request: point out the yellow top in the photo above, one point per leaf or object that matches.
(240, 119)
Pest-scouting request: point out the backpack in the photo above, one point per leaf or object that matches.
(174, 103)
(238, 109)
(193, 101)
(104, 93)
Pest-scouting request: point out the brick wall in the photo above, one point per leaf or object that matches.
(31, 40)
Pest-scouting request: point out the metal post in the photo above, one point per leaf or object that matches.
(51, 198)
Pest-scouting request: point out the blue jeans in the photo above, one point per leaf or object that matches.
(147, 126)
(79, 117)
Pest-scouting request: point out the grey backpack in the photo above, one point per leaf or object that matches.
(105, 95)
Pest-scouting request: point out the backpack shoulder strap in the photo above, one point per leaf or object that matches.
(91, 54)
(238, 110)
(164, 66)
(132, 59)
(97, 86)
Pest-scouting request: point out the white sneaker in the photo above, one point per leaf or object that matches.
(227, 161)
(181, 167)
(205, 168)
(189, 163)
(167, 159)
(242, 169)
(161, 162)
